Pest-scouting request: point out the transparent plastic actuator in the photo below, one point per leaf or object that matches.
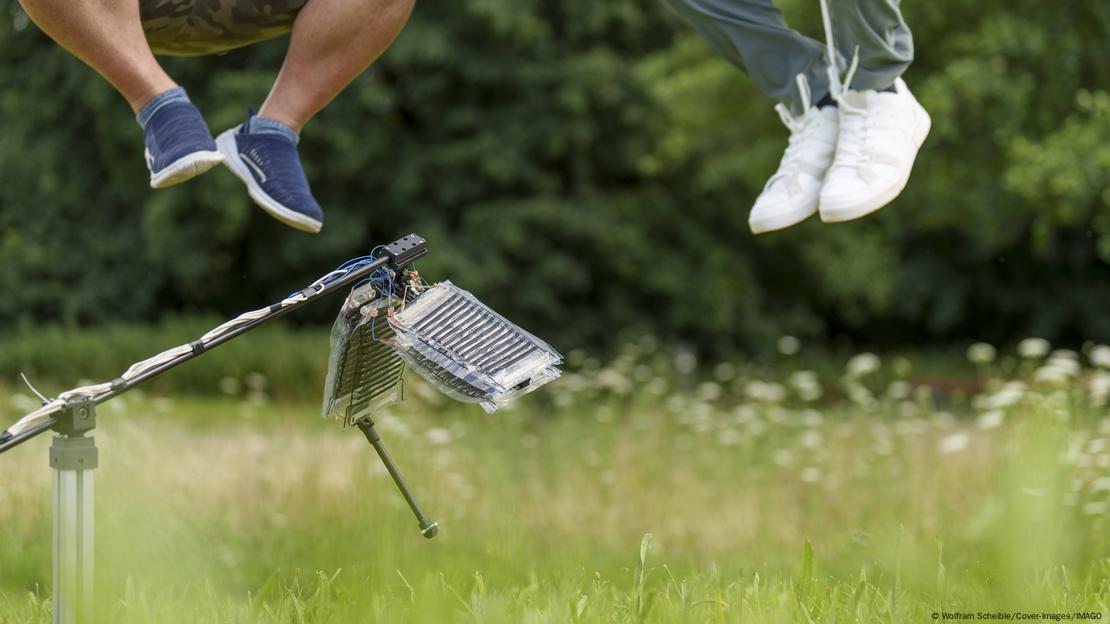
(468, 351)
(365, 374)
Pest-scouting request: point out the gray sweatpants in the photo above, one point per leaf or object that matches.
(752, 35)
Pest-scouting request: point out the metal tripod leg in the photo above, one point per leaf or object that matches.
(73, 458)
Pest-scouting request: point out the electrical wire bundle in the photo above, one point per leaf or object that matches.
(141, 370)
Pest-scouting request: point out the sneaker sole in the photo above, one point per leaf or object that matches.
(227, 146)
(185, 168)
(922, 124)
(782, 220)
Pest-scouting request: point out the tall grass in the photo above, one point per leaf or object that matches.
(765, 501)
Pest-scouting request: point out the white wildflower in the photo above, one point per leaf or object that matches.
(899, 390)
(257, 381)
(810, 474)
(725, 371)
(437, 435)
(685, 362)
(953, 443)
(990, 420)
(1099, 388)
(744, 413)
(883, 447)
(805, 382)
(709, 391)
(1033, 348)
(789, 345)
(765, 391)
(1054, 372)
(863, 364)
(811, 439)
(981, 353)
(1009, 394)
(908, 410)
(230, 385)
(1065, 354)
(943, 420)
(1100, 356)
(811, 418)
(782, 457)
(729, 437)
(1095, 508)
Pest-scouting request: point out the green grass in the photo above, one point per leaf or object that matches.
(871, 503)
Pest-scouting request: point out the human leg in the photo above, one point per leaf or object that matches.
(882, 125)
(752, 35)
(106, 35)
(333, 41)
(790, 68)
(878, 30)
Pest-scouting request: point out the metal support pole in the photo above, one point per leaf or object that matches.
(73, 456)
(428, 528)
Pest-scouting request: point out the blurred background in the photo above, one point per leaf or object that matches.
(919, 397)
(588, 168)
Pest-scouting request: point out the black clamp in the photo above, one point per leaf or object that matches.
(405, 251)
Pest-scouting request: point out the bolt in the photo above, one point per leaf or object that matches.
(83, 413)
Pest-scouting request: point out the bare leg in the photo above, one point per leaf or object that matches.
(333, 42)
(108, 36)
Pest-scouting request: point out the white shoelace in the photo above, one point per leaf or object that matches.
(855, 131)
(836, 86)
(802, 128)
(855, 121)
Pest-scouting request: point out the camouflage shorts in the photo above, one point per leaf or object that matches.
(190, 27)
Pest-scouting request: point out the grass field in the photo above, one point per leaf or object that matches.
(645, 490)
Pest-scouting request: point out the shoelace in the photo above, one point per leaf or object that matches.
(836, 86)
(855, 131)
(802, 128)
(855, 121)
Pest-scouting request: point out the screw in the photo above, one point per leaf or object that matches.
(83, 413)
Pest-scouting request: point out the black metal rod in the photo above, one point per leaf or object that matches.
(11, 441)
(274, 313)
(428, 528)
(8, 441)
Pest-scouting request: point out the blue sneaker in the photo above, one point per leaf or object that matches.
(179, 145)
(266, 161)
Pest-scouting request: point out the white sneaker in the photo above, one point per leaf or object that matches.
(791, 195)
(880, 133)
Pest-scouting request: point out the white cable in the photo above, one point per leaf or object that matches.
(139, 368)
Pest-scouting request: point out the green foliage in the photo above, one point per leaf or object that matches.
(585, 166)
(278, 361)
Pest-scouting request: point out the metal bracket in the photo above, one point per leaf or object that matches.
(405, 251)
(77, 418)
(74, 453)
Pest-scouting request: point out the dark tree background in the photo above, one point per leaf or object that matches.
(587, 168)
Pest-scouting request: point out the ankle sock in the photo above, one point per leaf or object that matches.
(176, 94)
(261, 125)
(826, 101)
